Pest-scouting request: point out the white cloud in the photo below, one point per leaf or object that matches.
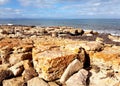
(97, 4)
(3, 2)
(9, 12)
(95, 7)
(37, 3)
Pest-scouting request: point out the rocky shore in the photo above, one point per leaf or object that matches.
(58, 56)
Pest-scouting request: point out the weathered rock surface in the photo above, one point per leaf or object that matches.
(52, 84)
(114, 38)
(17, 69)
(50, 64)
(78, 79)
(4, 74)
(109, 57)
(17, 57)
(14, 82)
(51, 61)
(29, 51)
(104, 78)
(73, 67)
(108, 67)
(37, 82)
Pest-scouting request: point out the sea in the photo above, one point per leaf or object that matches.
(111, 26)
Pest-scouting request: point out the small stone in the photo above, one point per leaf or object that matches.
(17, 69)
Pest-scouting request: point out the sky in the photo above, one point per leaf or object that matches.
(60, 9)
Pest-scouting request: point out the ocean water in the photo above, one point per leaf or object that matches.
(101, 25)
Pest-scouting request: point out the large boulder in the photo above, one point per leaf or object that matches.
(52, 59)
(50, 64)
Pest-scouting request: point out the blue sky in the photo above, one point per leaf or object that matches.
(60, 9)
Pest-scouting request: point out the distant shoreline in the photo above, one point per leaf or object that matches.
(101, 25)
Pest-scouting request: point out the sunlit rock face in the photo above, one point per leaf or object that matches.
(106, 67)
(51, 62)
(58, 56)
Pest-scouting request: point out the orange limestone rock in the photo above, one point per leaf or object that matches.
(51, 62)
(110, 57)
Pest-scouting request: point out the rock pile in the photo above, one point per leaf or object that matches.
(57, 56)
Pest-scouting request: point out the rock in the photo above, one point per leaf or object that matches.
(54, 34)
(14, 82)
(114, 38)
(73, 67)
(108, 64)
(92, 46)
(50, 64)
(52, 84)
(51, 58)
(75, 32)
(4, 67)
(37, 82)
(27, 64)
(4, 74)
(88, 32)
(29, 74)
(4, 53)
(103, 78)
(80, 31)
(25, 45)
(98, 39)
(78, 79)
(17, 69)
(108, 58)
(17, 57)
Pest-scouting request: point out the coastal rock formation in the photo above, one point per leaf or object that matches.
(58, 56)
(50, 64)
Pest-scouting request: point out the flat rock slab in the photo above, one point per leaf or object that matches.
(110, 57)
